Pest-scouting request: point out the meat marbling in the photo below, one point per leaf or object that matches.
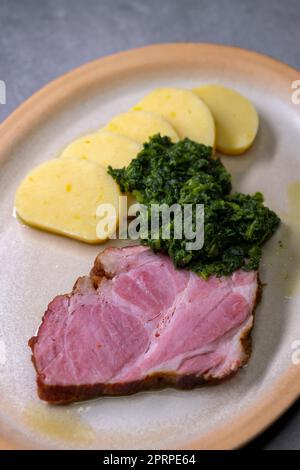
(138, 323)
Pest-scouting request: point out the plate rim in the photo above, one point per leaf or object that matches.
(247, 424)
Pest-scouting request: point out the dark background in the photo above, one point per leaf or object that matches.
(42, 39)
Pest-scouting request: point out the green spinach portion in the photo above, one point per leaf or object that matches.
(235, 225)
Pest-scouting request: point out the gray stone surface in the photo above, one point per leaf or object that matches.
(41, 39)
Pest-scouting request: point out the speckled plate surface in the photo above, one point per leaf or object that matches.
(35, 266)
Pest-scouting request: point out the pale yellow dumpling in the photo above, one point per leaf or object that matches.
(235, 117)
(105, 148)
(188, 115)
(140, 125)
(63, 195)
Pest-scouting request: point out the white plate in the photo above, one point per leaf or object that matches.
(35, 266)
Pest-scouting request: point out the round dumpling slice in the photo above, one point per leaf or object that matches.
(63, 196)
(235, 117)
(105, 148)
(185, 111)
(140, 125)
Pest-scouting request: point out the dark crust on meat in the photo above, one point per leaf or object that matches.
(64, 394)
(98, 269)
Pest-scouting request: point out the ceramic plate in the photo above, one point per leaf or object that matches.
(35, 266)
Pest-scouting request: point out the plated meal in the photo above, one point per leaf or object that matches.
(149, 246)
(171, 313)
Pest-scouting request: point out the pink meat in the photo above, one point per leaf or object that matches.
(136, 322)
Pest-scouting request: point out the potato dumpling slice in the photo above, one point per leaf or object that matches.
(189, 116)
(235, 117)
(140, 125)
(62, 196)
(103, 147)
